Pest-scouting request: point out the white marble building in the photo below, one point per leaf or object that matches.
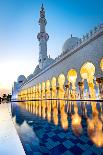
(80, 55)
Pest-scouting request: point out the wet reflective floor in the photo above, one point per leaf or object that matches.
(59, 127)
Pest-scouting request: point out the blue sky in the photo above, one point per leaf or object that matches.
(19, 28)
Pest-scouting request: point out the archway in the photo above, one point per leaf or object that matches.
(87, 73)
(61, 81)
(39, 90)
(47, 89)
(53, 91)
(72, 76)
(43, 90)
(33, 92)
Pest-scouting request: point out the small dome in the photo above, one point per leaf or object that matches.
(47, 62)
(30, 77)
(21, 79)
(37, 70)
(69, 43)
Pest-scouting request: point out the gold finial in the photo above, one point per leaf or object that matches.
(42, 7)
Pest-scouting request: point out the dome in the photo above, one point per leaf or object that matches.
(69, 43)
(30, 77)
(21, 79)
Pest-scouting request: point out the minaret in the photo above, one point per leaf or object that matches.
(43, 38)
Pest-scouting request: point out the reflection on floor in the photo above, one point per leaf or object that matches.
(51, 127)
(10, 143)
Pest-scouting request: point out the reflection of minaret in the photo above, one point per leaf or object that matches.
(43, 38)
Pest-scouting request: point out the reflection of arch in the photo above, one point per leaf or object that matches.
(61, 79)
(101, 64)
(72, 75)
(87, 70)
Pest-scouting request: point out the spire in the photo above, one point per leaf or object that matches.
(42, 19)
(42, 38)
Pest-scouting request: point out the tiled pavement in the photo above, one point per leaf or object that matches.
(51, 139)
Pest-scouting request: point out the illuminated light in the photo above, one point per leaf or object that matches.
(43, 109)
(39, 90)
(76, 121)
(48, 95)
(43, 85)
(95, 131)
(39, 86)
(55, 116)
(55, 112)
(34, 89)
(47, 84)
(64, 116)
(53, 83)
(43, 90)
(61, 79)
(72, 76)
(101, 64)
(76, 125)
(95, 127)
(87, 70)
(49, 110)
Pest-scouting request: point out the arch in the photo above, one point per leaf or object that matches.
(34, 89)
(87, 73)
(87, 70)
(47, 84)
(72, 75)
(61, 79)
(39, 86)
(53, 82)
(43, 85)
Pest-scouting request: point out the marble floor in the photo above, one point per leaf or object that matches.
(10, 143)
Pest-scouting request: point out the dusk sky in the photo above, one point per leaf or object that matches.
(19, 28)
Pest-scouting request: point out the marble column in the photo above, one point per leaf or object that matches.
(100, 84)
(67, 91)
(81, 89)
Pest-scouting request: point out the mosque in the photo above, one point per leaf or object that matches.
(77, 73)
